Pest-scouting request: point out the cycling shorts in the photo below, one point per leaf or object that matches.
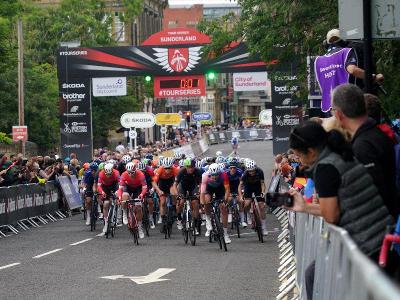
(133, 192)
(110, 190)
(184, 190)
(89, 194)
(165, 184)
(219, 192)
(249, 190)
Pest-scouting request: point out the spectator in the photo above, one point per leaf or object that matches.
(371, 146)
(120, 148)
(346, 194)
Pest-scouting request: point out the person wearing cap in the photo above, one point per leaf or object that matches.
(338, 66)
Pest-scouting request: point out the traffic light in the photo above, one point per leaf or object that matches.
(210, 75)
(187, 115)
(147, 78)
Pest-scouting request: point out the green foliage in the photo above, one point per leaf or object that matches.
(4, 138)
(88, 22)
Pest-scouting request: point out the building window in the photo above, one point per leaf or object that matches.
(119, 28)
(192, 24)
(172, 24)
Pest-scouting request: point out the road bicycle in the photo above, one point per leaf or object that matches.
(112, 218)
(146, 220)
(217, 232)
(390, 240)
(188, 223)
(235, 214)
(256, 218)
(171, 215)
(94, 213)
(133, 225)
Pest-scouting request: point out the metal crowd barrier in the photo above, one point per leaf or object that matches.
(251, 134)
(28, 205)
(342, 271)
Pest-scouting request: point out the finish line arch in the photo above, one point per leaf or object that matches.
(169, 53)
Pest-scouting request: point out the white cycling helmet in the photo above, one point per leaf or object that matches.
(168, 162)
(218, 153)
(214, 169)
(126, 159)
(199, 164)
(250, 164)
(108, 169)
(130, 167)
(222, 166)
(220, 159)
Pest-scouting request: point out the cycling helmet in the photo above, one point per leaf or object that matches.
(101, 166)
(168, 162)
(86, 166)
(250, 164)
(209, 159)
(218, 153)
(222, 166)
(220, 159)
(199, 164)
(178, 155)
(214, 169)
(146, 161)
(126, 159)
(182, 163)
(160, 162)
(130, 167)
(189, 163)
(149, 156)
(94, 166)
(108, 169)
(141, 166)
(112, 161)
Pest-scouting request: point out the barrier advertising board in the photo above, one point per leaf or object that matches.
(286, 110)
(71, 195)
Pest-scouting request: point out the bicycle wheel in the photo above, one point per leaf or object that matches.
(220, 230)
(114, 221)
(192, 232)
(258, 226)
(236, 218)
(145, 221)
(109, 221)
(185, 231)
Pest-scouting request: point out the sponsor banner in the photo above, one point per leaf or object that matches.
(286, 110)
(164, 119)
(75, 119)
(71, 195)
(255, 81)
(177, 36)
(109, 86)
(137, 120)
(179, 86)
(201, 116)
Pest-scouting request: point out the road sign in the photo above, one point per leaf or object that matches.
(163, 130)
(132, 134)
(150, 278)
(168, 119)
(137, 120)
(201, 116)
(20, 133)
(265, 117)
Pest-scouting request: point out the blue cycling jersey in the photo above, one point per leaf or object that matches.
(234, 141)
(234, 179)
(88, 179)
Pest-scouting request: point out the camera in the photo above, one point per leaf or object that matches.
(279, 199)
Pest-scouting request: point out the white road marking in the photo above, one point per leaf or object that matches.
(150, 278)
(9, 266)
(47, 253)
(247, 233)
(81, 242)
(100, 234)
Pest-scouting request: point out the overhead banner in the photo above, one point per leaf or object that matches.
(164, 119)
(286, 110)
(255, 81)
(179, 86)
(109, 86)
(76, 119)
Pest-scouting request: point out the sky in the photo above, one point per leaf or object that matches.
(191, 2)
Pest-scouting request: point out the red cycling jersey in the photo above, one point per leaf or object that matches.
(133, 182)
(107, 181)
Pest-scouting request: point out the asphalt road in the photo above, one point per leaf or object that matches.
(64, 260)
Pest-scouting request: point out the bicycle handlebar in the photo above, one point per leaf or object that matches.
(388, 240)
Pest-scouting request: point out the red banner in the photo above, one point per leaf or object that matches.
(177, 36)
(20, 133)
(179, 86)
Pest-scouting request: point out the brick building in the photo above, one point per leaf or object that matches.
(182, 16)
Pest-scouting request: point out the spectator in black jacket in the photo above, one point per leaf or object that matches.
(371, 146)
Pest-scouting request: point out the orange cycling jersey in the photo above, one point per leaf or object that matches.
(161, 174)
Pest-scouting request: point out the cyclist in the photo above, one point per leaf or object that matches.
(148, 173)
(132, 185)
(188, 181)
(122, 164)
(163, 184)
(235, 145)
(107, 185)
(88, 185)
(234, 175)
(252, 182)
(215, 182)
